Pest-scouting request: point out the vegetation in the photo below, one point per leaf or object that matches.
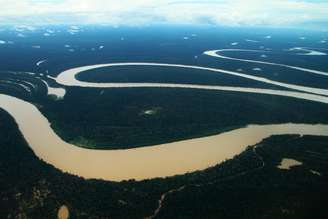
(238, 188)
(267, 192)
(158, 74)
(133, 117)
(22, 85)
(116, 118)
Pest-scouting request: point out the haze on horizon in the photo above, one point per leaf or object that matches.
(269, 13)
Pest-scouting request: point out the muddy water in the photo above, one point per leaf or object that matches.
(139, 163)
(63, 212)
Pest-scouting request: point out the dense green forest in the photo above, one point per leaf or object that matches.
(160, 74)
(131, 117)
(247, 186)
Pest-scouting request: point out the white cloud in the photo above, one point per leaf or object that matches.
(139, 12)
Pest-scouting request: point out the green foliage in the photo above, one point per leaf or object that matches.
(236, 188)
(115, 118)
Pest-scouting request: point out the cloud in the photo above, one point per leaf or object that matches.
(142, 12)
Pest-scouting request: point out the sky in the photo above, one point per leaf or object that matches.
(286, 13)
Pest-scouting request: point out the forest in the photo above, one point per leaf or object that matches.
(248, 186)
(134, 117)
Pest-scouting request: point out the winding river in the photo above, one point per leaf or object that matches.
(218, 54)
(158, 160)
